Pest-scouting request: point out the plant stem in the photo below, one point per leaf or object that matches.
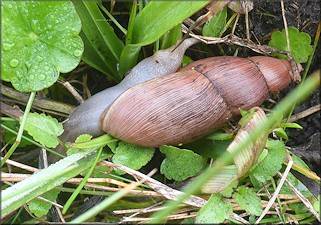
(83, 182)
(21, 128)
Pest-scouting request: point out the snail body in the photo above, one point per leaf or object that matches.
(85, 118)
(191, 103)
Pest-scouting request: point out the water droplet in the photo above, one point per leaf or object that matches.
(19, 75)
(50, 27)
(77, 53)
(28, 64)
(39, 58)
(33, 36)
(14, 62)
(35, 26)
(42, 77)
(63, 40)
(46, 67)
(32, 77)
(7, 46)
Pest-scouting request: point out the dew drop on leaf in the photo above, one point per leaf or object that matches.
(77, 53)
(19, 75)
(14, 62)
(39, 58)
(7, 46)
(32, 77)
(42, 77)
(28, 64)
(35, 26)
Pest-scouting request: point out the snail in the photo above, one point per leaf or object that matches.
(153, 105)
(85, 118)
(189, 104)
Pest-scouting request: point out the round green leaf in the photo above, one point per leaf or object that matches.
(39, 40)
(215, 211)
(132, 156)
(180, 164)
(300, 47)
(44, 129)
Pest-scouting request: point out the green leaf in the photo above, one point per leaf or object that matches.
(300, 47)
(39, 207)
(44, 129)
(79, 139)
(215, 211)
(227, 192)
(102, 47)
(161, 16)
(86, 142)
(272, 163)
(220, 136)
(280, 132)
(151, 23)
(291, 125)
(171, 37)
(248, 200)
(298, 161)
(132, 156)
(39, 40)
(180, 164)
(216, 24)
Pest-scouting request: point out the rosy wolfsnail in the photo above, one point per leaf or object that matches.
(153, 105)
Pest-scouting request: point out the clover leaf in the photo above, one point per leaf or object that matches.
(39, 40)
(300, 47)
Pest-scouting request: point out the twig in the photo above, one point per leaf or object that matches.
(172, 217)
(304, 200)
(17, 177)
(285, 27)
(275, 205)
(239, 218)
(136, 192)
(149, 209)
(22, 166)
(159, 187)
(303, 114)
(108, 201)
(271, 201)
(72, 90)
(11, 111)
(247, 21)
(42, 103)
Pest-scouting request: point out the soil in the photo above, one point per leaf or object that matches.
(266, 17)
(305, 15)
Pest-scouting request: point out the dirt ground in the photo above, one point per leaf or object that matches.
(305, 15)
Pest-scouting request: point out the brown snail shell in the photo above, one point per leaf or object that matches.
(191, 103)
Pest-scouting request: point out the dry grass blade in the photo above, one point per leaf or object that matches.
(304, 200)
(159, 187)
(304, 113)
(21, 165)
(271, 201)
